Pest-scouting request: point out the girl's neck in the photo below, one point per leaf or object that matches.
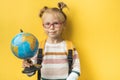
(54, 40)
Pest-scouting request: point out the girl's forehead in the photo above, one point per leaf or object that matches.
(52, 16)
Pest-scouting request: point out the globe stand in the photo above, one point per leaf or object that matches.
(31, 69)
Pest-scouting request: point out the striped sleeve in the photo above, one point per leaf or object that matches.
(76, 63)
(76, 67)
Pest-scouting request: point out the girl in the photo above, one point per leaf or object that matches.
(55, 64)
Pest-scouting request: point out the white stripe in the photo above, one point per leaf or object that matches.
(55, 57)
(54, 76)
(60, 47)
(55, 65)
(55, 49)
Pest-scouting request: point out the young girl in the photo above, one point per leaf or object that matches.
(55, 64)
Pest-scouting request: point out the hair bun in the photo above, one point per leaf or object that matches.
(43, 10)
(61, 5)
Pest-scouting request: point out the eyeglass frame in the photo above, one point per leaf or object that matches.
(54, 24)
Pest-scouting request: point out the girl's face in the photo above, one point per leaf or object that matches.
(52, 25)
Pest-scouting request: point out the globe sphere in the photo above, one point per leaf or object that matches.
(24, 45)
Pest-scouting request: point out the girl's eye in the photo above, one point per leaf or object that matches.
(56, 23)
(47, 23)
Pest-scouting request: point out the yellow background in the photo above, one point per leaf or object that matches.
(93, 26)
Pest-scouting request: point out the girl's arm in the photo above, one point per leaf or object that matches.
(76, 67)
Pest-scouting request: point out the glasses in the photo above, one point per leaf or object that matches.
(55, 25)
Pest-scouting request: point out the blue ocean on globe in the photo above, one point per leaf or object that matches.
(24, 45)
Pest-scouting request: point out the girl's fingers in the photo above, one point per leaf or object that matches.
(26, 64)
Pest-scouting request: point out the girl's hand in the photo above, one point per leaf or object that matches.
(27, 63)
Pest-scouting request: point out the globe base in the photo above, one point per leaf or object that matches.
(30, 69)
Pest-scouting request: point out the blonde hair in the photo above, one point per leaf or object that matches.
(58, 11)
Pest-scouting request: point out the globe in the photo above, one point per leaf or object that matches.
(24, 45)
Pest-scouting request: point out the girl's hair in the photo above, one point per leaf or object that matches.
(59, 10)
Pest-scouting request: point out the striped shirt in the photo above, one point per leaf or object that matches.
(55, 63)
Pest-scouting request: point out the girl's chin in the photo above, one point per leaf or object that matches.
(52, 35)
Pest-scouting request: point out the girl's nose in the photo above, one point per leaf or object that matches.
(51, 26)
